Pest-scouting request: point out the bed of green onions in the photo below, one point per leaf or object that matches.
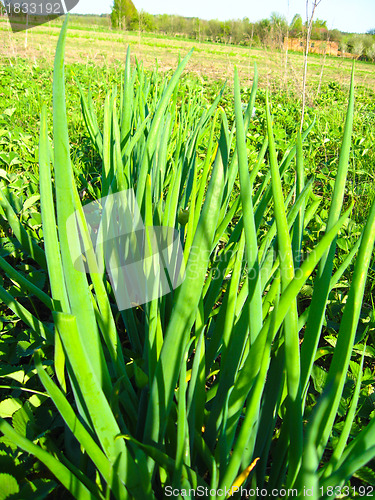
(206, 386)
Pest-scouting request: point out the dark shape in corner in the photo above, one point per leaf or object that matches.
(26, 14)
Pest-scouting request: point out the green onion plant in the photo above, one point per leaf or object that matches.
(208, 386)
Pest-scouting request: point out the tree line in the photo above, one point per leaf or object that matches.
(266, 32)
(269, 32)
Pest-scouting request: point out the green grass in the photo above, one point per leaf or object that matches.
(26, 86)
(103, 46)
(266, 349)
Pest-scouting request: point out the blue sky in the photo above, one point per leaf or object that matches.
(346, 15)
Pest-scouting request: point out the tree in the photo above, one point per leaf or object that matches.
(296, 26)
(319, 23)
(278, 21)
(164, 23)
(262, 31)
(196, 28)
(124, 15)
(370, 52)
(238, 32)
(248, 28)
(279, 28)
(368, 41)
(357, 46)
(214, 29)
(180, 25)
(225, 30)
(335, 35)
(319, 30)
(145, 21)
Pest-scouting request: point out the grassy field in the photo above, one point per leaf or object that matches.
(259, 369)
(96, 56)
(210, 61)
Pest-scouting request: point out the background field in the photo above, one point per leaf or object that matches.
(210, 60)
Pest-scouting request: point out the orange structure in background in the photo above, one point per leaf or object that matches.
(316, 46)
